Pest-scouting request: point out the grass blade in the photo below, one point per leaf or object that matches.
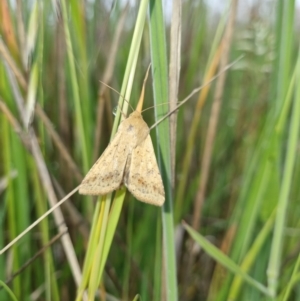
(160, 90)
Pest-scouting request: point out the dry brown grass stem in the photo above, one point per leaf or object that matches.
(174, 74)
(214, 117)
(46, 182)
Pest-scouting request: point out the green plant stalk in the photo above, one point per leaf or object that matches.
(160, 90)
(125, 90)
(88, 261)
(278, 30)
(11, 205)
(74, 83)
(158, 264)
(251, 256)
(278, 237)
(80, 40)
(95, 275)
(114, 216)
(51, 285)
(79, 112)
(40, 203)
(279, 127)
(110, 227)
(273, 131)
(127, 261)
(219, 256)
(22, 206)
(3, 205)
(209, 71)
(285, 51)
(295, 278)
(40, 58)
(251, 211)
(137, 298)
(131, 63)
(8, 290)
(245, 190)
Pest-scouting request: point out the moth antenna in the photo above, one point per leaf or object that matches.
(117, 93)
(161, 104)
(139, 106)
(120, 108)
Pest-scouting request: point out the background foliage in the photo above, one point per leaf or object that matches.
(237, 163)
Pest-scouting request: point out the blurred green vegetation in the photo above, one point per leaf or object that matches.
(56, 119)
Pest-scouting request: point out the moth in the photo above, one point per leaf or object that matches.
(128, 160)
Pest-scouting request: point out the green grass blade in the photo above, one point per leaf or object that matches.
(219, 256)
(251, 256)
(8, 290)
(75, 88)
(278, 238)
(160, 90)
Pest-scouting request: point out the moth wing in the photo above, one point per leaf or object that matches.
(143, 179)
(106, 175)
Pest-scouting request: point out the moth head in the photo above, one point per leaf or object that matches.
(136, 114)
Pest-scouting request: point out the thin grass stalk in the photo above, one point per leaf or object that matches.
(252, 204)
(295, 278)
(107, 76)
(74, 83)
(10, 201)
(86, 270)
(22, 205)
(2, 229)
(286, 21)
(8, 31)
(9, 291)
(211, 133)
(157, 277)
(251, 256)
(80, 100)
(95, 276)
(278, 236)
(51, 287)
(265, 153)
(46, 181)
(213, 121)
(174, 74)
(160, 91)
(127, 261)
(131, 64)
(80, 41)
(210, 71)
(112, 224)
(21, 30)
(109, 224)
(223, 259)
(125, 90)
(277, 33)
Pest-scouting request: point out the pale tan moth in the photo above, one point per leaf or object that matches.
(147, 189)
(128, 160)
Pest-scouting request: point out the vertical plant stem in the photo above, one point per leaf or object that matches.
(213, 121)
(286, 20)
(174, 73)
(278, 237)
(75, 89)
(160, 89)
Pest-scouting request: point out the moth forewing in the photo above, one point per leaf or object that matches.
(143, 179)
(106, 174)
